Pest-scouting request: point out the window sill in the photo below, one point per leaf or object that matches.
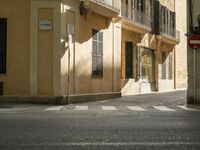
(3, 74)
(97, 77)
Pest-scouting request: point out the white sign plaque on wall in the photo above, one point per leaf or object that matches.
(45, 25)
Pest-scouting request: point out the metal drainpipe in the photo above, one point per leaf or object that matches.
(174, 67)
(68, 99)
(175, 53)
(113, 57)
(194, 74)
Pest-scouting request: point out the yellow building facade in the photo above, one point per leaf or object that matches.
(79, 50)
(60, 48)
(153, 51)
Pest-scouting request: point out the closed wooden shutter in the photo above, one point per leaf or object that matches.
(3, 37)
(157, 17)
(1, 88)
(129, 60)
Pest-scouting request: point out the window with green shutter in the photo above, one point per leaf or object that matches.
(3, 37)
(129, 59)
(1, 88)
(97, 53)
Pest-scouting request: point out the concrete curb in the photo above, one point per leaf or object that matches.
(32, 99)
(59, 100)
(197, 106)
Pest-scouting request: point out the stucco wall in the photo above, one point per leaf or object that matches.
(193, 93)
(181, 48)
(80, 71)
(45, 54)
(84, 82)
(128, 86)
(45, 49)
(169, 3)
(17, 12)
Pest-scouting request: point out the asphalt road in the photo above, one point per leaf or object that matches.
(94, 126)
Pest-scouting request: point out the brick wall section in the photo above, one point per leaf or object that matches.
(181, 48)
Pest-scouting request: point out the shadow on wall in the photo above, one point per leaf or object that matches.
(81, 80)
(145, 81)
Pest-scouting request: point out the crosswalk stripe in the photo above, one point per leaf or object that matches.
(135, 108)
(78, 107)
(188, 108)
(108, 108)
(163, 108)
(54, 108)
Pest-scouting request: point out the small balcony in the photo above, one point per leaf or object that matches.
(136, 20)
(170, 34)
(107, 3)
(107, 8)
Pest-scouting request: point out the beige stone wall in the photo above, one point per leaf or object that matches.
(169, 3)
(80, 71)
(45, 55)
(17, 12)
(45, 48)
(128, 86)
(133, 85)
(193, 92)
(181, 48)
(84, 82)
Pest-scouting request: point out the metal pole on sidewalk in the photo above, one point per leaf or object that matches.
(194, 74)
(70, 40)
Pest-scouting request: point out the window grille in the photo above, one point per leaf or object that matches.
(97, 53)
(170, 66)
(163, 76)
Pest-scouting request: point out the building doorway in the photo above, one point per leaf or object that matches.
(147, 71)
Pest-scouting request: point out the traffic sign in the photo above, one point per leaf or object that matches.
(194, 42)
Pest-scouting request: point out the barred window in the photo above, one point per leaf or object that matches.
(170, 67)
(97, 53)
(163, 76)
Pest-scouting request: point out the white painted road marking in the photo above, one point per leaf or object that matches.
(163, 108)
(54, 108)
(188, 108)
(114, 144)
(136, 108)
(80, 107)
(108, 108)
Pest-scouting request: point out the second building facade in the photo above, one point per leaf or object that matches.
(90, 49)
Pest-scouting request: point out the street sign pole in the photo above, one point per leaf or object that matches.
(194, 44)
(194, 74)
